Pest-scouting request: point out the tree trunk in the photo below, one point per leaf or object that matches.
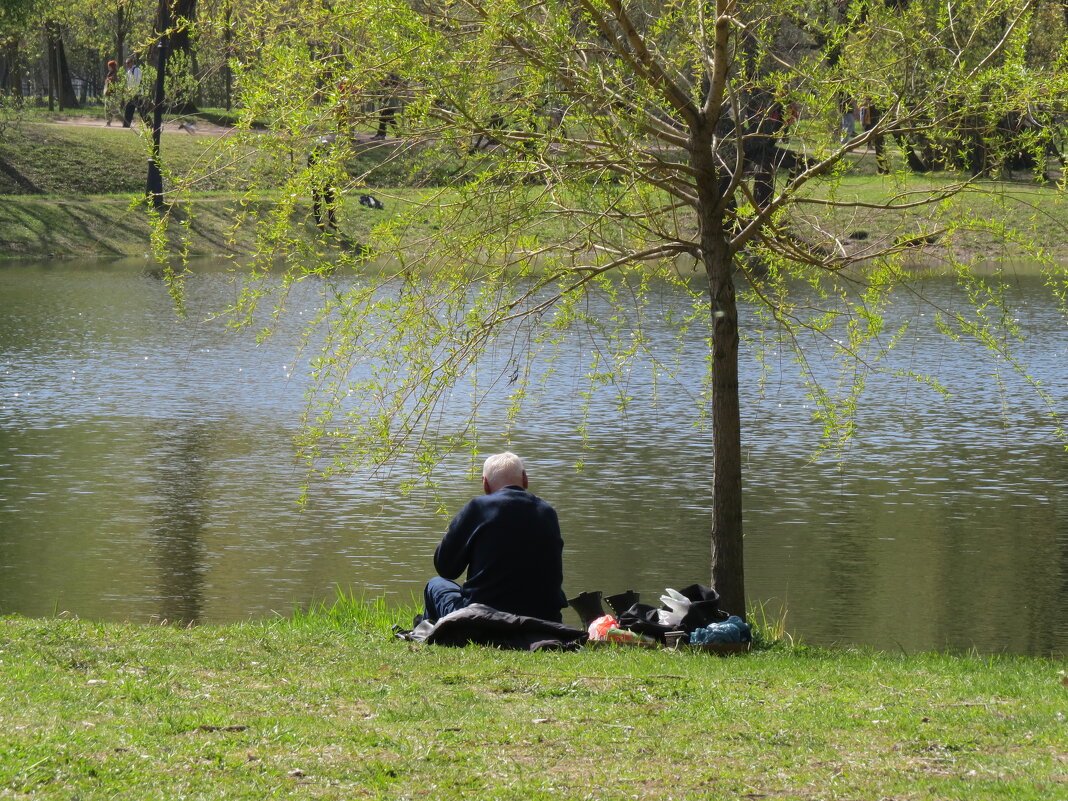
(180, 43)
(51, 77)
(8, 59)
(154, 182)
(728, 565)
(83, 93)
(915, 162)
(228, 77)
(13, 70)
(728, 574)
(182, 10)
(120, 34)
(57, 62)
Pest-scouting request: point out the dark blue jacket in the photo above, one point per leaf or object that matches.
(509, 542)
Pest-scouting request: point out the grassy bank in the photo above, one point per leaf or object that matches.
(330, 706)
(107, 226)
(118, 225)
(69, 189)
(78, 157)
(73, 160)
(72, 190)
(1004, 221)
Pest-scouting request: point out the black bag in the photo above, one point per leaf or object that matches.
(643, 619)
(704, 609)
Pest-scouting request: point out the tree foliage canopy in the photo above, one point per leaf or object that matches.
(596, 147)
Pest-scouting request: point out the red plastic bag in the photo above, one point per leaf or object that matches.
(601, 626)
(607, 628)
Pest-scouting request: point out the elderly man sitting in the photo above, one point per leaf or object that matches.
(508, 540)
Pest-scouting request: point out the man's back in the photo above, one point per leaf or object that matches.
(509, 542)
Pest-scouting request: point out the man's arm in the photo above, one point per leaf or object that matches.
(453, 552)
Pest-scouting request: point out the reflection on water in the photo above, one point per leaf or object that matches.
(146, 472)
(179, 518)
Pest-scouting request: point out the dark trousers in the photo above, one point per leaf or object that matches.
(386, 116)
(135, 106)
(440, 597)
(323, 204)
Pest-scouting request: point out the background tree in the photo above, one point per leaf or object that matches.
(215, 49)
(98, 31)
(598, 146)
(64, 45)
(74, 39)
(15, 21)
(60, 85)
(123, 15)
(180, 34)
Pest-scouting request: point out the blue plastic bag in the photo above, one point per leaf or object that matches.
(732, 630)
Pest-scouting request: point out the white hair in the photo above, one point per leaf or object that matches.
(503, 470)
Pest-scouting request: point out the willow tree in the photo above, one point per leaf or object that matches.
(591, 147)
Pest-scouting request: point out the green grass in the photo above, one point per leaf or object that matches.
(992, 220)
(74, 160)
(107, 226)
(74, 190)
(68, 190)
(112, 225)
(328, 705)
(79, 160)
(119, 225)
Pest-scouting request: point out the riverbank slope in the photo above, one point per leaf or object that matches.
(72, 190)
(330, 706)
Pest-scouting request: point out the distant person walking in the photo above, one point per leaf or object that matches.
(387, 112)
(324, 198)
(133, 92)
(869, 118)
(112, 93)
(848, 122)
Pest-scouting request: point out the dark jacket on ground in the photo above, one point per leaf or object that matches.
(509, 542)
(484, 626)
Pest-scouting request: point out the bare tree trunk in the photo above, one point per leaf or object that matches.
(154, 182)
(51, 77)
(228, 77)
(180, 39)
(728, 566)
(183, 13)
(60, 80)
(727, 553)
(8, 60)
(13, 69)
(91, 78)
(120, 34)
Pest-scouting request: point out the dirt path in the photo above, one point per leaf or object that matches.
(192, 127)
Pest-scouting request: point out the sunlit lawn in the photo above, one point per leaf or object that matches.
(330, 706)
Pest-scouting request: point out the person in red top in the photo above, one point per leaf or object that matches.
(112, 93)
(508, 540)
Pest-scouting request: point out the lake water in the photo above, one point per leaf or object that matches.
(147, 472)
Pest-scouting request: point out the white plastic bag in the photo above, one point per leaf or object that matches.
(677, 606)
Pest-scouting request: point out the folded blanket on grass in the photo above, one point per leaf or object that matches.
(483, 625)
